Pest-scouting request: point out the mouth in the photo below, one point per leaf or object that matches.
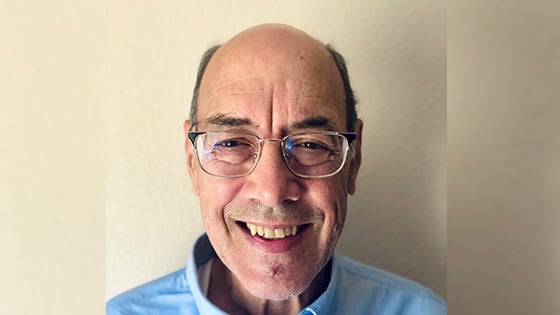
(272, 233)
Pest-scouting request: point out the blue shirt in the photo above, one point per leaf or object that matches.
(354, 288)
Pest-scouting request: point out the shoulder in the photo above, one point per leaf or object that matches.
(387, 293)
(169, 294)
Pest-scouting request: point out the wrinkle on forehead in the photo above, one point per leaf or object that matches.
(292, 89)
(279, 107)
(230, 81)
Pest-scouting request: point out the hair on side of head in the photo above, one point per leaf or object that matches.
(351, 114)
(206, 57)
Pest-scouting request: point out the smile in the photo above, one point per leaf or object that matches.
(272, 234)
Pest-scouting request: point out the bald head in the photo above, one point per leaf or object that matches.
(271, 42)
(276, 48)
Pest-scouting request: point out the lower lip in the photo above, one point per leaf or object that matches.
(275, 246)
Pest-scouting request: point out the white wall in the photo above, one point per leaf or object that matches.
(396, 57)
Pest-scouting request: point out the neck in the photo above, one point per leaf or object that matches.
(228, 294)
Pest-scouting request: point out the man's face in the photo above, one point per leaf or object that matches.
(271, 88)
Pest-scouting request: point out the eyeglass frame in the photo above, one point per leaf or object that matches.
(349, 136)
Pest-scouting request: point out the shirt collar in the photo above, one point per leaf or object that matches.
(323, 304)
(201, 253)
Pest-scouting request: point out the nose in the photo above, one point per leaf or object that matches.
(271, 183)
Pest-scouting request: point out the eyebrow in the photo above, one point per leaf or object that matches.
(313, 122)
(317, 121)
(228, 121)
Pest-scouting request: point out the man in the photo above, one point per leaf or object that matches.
(273, 150)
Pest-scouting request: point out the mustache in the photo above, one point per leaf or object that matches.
(289, 212)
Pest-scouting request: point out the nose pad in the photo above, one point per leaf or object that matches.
(271, 183)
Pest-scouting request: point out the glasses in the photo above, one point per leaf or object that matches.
(307, 155)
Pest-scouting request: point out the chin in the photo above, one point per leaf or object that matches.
(276, 291)
(276, 283)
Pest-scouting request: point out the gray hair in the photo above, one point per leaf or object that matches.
(201, 68)
(351, 114)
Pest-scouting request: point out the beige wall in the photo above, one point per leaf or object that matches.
(504, 153)
(52, 158)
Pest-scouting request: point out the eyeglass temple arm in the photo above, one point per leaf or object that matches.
(193, 134)
(350, 136)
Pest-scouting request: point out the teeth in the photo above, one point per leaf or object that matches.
(268, 233)
(252, 228)
(279, 233)
(288, 231)
(271, 233)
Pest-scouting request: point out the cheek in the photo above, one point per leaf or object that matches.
(330, 197)
(215, 193)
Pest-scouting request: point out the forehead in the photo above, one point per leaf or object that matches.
(273, 86)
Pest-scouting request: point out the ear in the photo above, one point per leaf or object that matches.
(192, 163)
(356, 158)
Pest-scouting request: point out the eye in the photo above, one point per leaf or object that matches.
(234, 144)
(230, 143)
(311, 145)
(308, 144)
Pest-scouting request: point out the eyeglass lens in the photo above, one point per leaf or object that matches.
(307, 155)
